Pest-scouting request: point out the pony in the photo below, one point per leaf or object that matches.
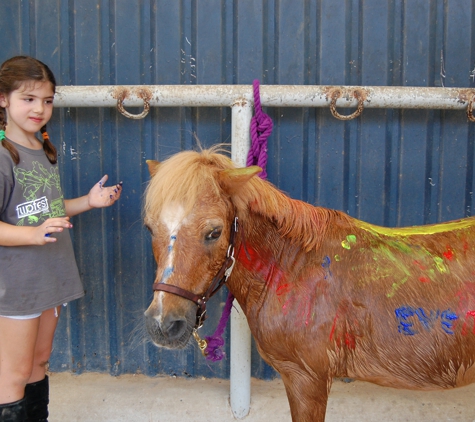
(325, 295)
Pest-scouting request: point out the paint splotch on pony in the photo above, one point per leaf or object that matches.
(325, 295)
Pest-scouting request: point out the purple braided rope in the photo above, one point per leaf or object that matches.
(261, 128)
(214, 350)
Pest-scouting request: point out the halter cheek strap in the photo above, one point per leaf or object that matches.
(218, 281)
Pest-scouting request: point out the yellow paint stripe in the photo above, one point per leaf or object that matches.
(419, 230)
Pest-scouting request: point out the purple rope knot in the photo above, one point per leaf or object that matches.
(261, 128)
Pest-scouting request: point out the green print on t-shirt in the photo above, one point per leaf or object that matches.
(35, 184)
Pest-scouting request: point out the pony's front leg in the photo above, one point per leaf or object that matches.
(307, 394)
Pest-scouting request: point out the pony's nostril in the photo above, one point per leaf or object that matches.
(174, 328)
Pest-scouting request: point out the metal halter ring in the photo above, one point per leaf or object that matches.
(470, 115)
(336, 94)
(120, 107)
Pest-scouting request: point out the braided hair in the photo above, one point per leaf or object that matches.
(13, 73)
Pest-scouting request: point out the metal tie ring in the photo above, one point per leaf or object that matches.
(336, 94)
(124, 112)
(470, 115)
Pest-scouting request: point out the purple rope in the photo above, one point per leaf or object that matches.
(214, 350)
(261, 128)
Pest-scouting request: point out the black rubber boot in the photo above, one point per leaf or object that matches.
(13, 412)
(37, 399)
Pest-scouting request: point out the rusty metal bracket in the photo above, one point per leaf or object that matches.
(337, 93)
(470, 110)
(122, 95)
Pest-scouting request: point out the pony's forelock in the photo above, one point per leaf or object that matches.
(181, 179)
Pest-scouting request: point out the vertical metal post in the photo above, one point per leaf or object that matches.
(240, 372)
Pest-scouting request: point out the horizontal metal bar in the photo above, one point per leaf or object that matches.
(271, 96)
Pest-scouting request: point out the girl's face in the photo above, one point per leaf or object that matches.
(28, 108)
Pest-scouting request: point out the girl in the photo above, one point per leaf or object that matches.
(38, 271)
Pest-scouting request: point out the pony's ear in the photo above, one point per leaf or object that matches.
(232, 179)
(152, 167)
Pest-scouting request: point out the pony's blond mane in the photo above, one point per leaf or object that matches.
(297, 220)
(181, 179)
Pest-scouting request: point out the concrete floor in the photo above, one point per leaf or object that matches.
(97, 397)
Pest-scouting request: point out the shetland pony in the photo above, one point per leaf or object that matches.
(325, 295)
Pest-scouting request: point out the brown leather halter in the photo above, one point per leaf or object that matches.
(216, 284)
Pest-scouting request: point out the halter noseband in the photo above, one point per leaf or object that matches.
(216, 284)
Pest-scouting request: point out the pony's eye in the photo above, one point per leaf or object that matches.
(148, 228)
(214, 234)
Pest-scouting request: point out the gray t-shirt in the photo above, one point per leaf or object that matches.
(34, 278)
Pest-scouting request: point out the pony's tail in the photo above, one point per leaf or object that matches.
(48, 147)
(5, 142)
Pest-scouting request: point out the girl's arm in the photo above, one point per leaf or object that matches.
(98, 197)
(11, 235)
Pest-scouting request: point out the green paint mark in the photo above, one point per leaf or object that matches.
(384, 250)
(337, 258)
(396, 286)
(403, 247)
(439, 262)
(350, 239)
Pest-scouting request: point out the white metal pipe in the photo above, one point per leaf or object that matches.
(271, 95)
(240, 371)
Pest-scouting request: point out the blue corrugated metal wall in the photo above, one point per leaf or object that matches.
(389, 167)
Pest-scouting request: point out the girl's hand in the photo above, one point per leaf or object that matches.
(42, 233)
(100, 196)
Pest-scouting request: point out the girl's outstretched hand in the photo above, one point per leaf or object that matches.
(100, 196)
(43, 233)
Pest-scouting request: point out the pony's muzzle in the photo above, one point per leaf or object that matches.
(168, 330)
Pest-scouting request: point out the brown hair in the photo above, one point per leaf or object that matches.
(13, 73)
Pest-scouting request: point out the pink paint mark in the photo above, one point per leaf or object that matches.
(465, 246)
(305, 313)
(420, 265)
(275, 276)
(349, 338)
(465, 324)
(332, 331)
(350, 341)
(283, 289)
(466, 297)
(449, 254)
(424, 279)
(285, 307)
(249, 258)
(263, 266)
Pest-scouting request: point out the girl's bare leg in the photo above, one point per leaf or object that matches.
(44, 343)
(17, 348)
